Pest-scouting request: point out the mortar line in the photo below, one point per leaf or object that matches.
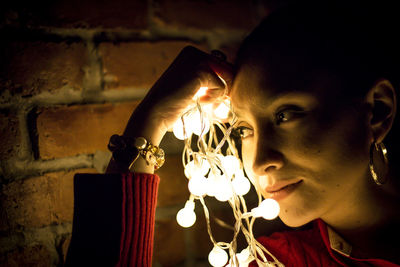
(22, 169)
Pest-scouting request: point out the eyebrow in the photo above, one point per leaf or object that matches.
(285, 96)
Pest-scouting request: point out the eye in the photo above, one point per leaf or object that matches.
(288, 113)
(243, 131)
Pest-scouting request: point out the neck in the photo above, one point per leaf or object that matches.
(368, 219)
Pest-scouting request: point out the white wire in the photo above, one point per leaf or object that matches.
(208, 148)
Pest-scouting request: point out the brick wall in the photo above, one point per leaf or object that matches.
(71, 73)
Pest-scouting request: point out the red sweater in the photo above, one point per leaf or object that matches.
(114, 217)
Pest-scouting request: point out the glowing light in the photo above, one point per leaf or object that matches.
(212, 185)
(222, 111)
(244, 257)
(201, 167)
(201, 92)
(217, 257)
(179, 131)
(230, 164)
(223, 190)
(241, 184)
(268, 209)
(196, 125)
(186, 216)
(208, 108)
(198, 185)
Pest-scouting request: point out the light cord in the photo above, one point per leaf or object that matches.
(215, 164)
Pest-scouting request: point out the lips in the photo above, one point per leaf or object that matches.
(281, 190)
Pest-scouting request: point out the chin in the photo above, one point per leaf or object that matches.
(294, 221)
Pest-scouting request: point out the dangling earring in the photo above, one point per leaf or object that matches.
(380, 148)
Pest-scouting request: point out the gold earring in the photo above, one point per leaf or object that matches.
(380, 148)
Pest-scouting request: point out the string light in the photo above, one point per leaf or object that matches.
(213, 169)
(218, 257)
(268, 209)
(186, 216)
(222, 111)
(198, 185)
(179, 131)
(241, 184)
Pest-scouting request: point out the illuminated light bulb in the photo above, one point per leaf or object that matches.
(268, 209)
(196, 125)
(201, 92)
(198, 185)
(222, 111)
(179, 131)
(244, 257)
(208, 108)
(186, 216)
(241, 184)
(223, 189)
(200, 168)
(211, 187)
(230, 163)
(212, 183)
(217, 257)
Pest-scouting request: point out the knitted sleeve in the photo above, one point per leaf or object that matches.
(113, 221)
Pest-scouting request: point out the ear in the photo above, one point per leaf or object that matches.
(382, 98)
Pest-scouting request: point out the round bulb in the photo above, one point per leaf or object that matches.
(212, 185)
(222, 111)
(243, 256)
(241, 185)
(178, 130)
(223, 189)
(231, 164)
(201, 167)
(186, 216)
(198, 185)
(197, 125)
(268, 209)
(217, 257)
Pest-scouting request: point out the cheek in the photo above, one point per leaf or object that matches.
(247, 157)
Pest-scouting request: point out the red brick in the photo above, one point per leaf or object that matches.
(38, 201)
(84, 14)
(66, 131)
(204, 14)
(9, 134)
(138, 64)
(34, 255)
(33, 67)
(173, 187)
(169, 244)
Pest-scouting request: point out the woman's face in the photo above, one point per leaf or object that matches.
(303, 143)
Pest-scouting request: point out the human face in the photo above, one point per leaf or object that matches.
(303, 142)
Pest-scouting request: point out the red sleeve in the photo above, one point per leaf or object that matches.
(113, 221)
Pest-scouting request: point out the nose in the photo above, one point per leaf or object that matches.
(267, 159)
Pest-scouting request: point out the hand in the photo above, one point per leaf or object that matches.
(173, 93)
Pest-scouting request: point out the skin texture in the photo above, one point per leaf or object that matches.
(319, 143)
(312, 132)
(171, 96)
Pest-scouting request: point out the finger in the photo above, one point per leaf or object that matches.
(211, 95)
(216, 63)
(223, 69)
(208, 78)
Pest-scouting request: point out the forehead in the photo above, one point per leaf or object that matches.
(259, 84)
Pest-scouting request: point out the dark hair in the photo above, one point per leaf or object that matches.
(356, 41)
